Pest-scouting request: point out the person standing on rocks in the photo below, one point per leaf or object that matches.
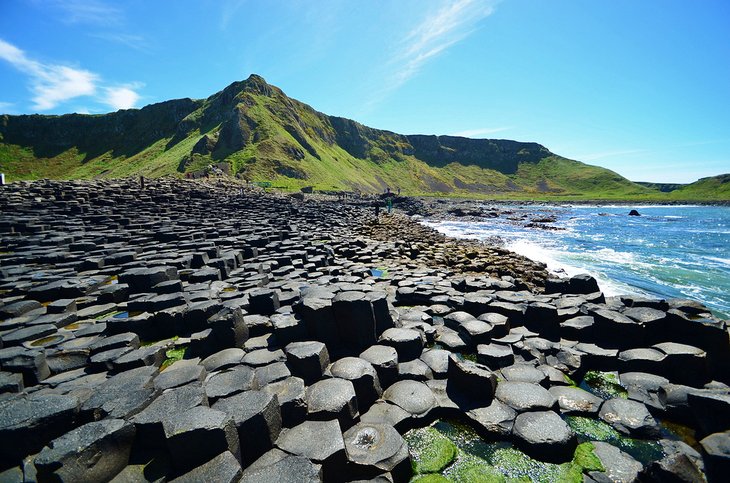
(390, 204)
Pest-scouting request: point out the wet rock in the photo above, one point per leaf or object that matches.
(544, 436)
(493, 421)
(96, 451)
(629, 417)
(573, 400)
(620, 467)
(525, 396)
(716, 454)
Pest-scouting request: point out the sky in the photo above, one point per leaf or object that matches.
(639, 87)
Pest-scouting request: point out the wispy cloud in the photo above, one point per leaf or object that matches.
(137, 42)
(53, 84)
(436, 33)
(89, 12)
(610, 154)
(229, 9)
(485, 131)
(5, 107)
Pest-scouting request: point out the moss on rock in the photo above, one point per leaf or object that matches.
(431, 451)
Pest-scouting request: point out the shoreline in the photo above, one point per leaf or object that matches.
(321, 327)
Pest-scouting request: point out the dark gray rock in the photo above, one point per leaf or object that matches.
(224, 359)
(524, 396)
(355, 320)
(363, 376)
(408, 343)
(197, 435)
(629, 417)
(257, 417)
(332, 399)
(574, 400)
(544, 436)
(96, 451)
(122, 395)
(27, 423)
(620, 467)
(307, 360)
(149, 421)
(471, 381)
(224, 468)
(320, 442)
(716, 454)
(493, 421)
(524, 373)
(376, 448)
(291, 395)
(32, 364)
(495, 355)
(437, 361)
(414, 397)
(272, 373)
(179, 375)
(415, 369)
(294, 469)
(385, 361)
(711, 411)
(227, 383)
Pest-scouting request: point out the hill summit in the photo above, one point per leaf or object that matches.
(253, 130)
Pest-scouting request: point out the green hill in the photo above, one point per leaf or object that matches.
(253, 130)
(714, 188)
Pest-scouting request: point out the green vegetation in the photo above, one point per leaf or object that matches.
(588, 429)
(476, 460)
(173, 355)
(255, 131)
(605, 385)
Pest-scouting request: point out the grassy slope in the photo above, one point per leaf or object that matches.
(269, 156)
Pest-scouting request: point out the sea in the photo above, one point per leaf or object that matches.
(670, 251)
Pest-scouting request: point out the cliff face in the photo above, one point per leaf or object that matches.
(260, 133)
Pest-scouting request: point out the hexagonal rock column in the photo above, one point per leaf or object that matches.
(320, 442)
(471, 383)
(198, 435)
(363, 377)
(373, 449)
(525, 396)
(257, 416)
(96, 451)
(414, 397)
(332, 399)
(291, 395)
(28, 423)
(307, 360)
(544, 436)
(385, 361)
(407, 342)
(716, 454)
(355, 320)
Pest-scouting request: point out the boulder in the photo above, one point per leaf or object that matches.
(716, 454)
(224, 468)
(524, 396)
(408, 343)
(307, 360)
(363, 376)
(629, 417)
(620, 467)
(473, 382)
(332, 399)
(373, 449)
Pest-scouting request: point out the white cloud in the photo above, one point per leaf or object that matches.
(121, 97)
(94, 12)
(610, 154)
(436, 33)
(470, 133)
(53, 84)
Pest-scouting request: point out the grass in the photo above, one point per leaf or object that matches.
(293, 146)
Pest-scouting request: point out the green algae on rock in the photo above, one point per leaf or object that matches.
(605, 385)
(430, 449)
(588, 429)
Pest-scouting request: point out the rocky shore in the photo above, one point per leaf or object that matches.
(183, 331)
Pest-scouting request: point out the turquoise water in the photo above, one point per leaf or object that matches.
(669, 251)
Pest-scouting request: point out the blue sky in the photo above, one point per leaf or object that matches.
(640, 87)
